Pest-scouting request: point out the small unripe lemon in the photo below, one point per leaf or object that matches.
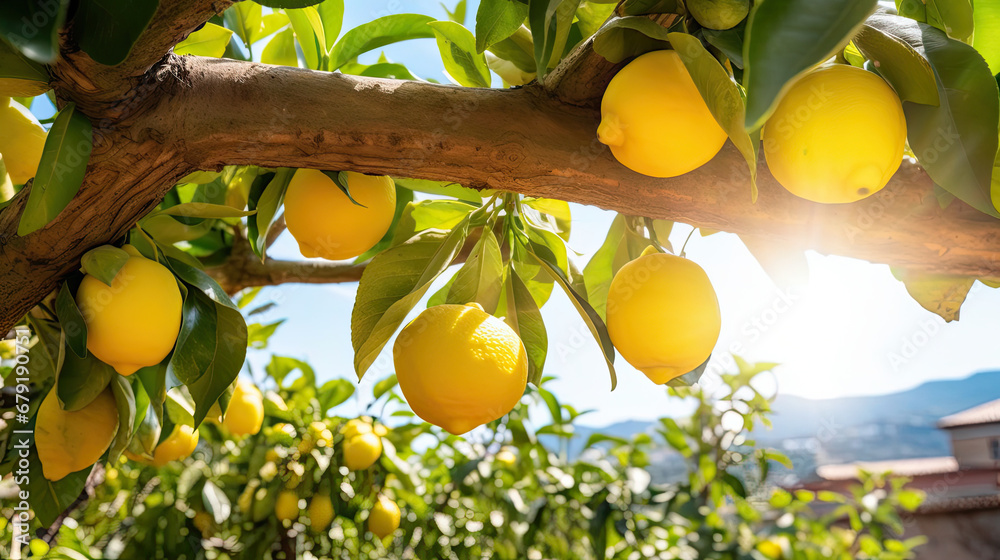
(460, 367)
(134, 322)
(286, 507)
(837, 135)
(718, 14)
(245, 414)
(383, 519)
(655, 120)
(663, 315)
(320, 512)
(325, 222)
(21, 142)
(68, 441)
(361, 451)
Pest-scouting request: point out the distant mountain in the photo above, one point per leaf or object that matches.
(816, 432)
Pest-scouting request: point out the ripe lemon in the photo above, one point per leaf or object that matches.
(68, 441)
(718, 14)
(286, 507)
(654, 119)
(320, 512)
(327, 224)
(355, 427)
(361, 451)
(460, 367)
(837, 135)
(21, 142)
(134, 322)
(663, 315)
(245, 414)
(383, 519)
(179, 445)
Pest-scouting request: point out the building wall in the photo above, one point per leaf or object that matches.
(967, 535)
(980, 452)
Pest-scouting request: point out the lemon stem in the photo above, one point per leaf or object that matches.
(684, 246)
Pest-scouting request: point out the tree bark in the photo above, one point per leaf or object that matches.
(158, 118)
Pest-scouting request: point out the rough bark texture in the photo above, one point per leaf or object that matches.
(160, 117)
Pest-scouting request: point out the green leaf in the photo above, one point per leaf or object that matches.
(690, 378)
(50, 499)
(32, 27)
(642, 7)
(71, 320)
(523, 315)
(479, 279)
(625, 37)
(784, 39)
(987, 33)
(60, 171)
(125, 401)
(554, 214)
(267, 207)
(550, 22)
(728, 41)
(496, 20)
(722, 95)
(591, 16)
(954, 17)
(955, 142)
(458, 52)
(393, 283)
(587, 313)
(81, 380)
(258, 334)
(210, 40)
(280, 50)
(203, 210)
(379, 33)
(938, 293)
(599, 272)
(904, 67)
(16, 66)
(388, 70)
(427, 214)
(107, 29)
(384, 386)
(308, 27)
(292, 4)
(331, 13)
(333, 393)
(453, 190)
(104, 262)
(245, 19)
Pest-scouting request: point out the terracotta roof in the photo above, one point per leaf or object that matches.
(988, 413)
(901, 467)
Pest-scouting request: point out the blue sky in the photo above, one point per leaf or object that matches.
(850, 329)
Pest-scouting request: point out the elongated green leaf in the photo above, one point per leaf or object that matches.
(244, 18)
(987, 33)
(722, 95)
(955, 142)
(333, 393)
(393, 283)
(384, 386)
(210, 40)
(104, 262)
(32, 27)
(496, 20)
(527, 322)
(81, 380)
(550, 22)
(427, 214)
(60, 171)
(291, 4)
(204, 210)
(308, 27)
(445, 189)
(71, 320)
(458, 52)
(125, 401)
(599, 272)
(728, 41)
(938, 293)
(280, 50)
(107, 29)
(784, 39)
(954, 17)
(479, 279)
(379, 33)
(625, 37)
(903, 66)
(20, 76)
(331, 13)
(554, 215)
(587, 312)
(267, 207)
(50, 499)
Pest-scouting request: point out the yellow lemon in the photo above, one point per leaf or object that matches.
(381, 430)
(770, 549)
(361, 451)
(327, 224)
(663, 315)
(245, 414)
(460, 367)
(134, 322)
(68, 441)
(654, 119)
(383, 519)
(355, 427)
(286, 507)
(179, 445)
(837, 135)
(506, 456)
(21, 142)
(320, 512)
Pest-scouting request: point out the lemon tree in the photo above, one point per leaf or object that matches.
(136, 223)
